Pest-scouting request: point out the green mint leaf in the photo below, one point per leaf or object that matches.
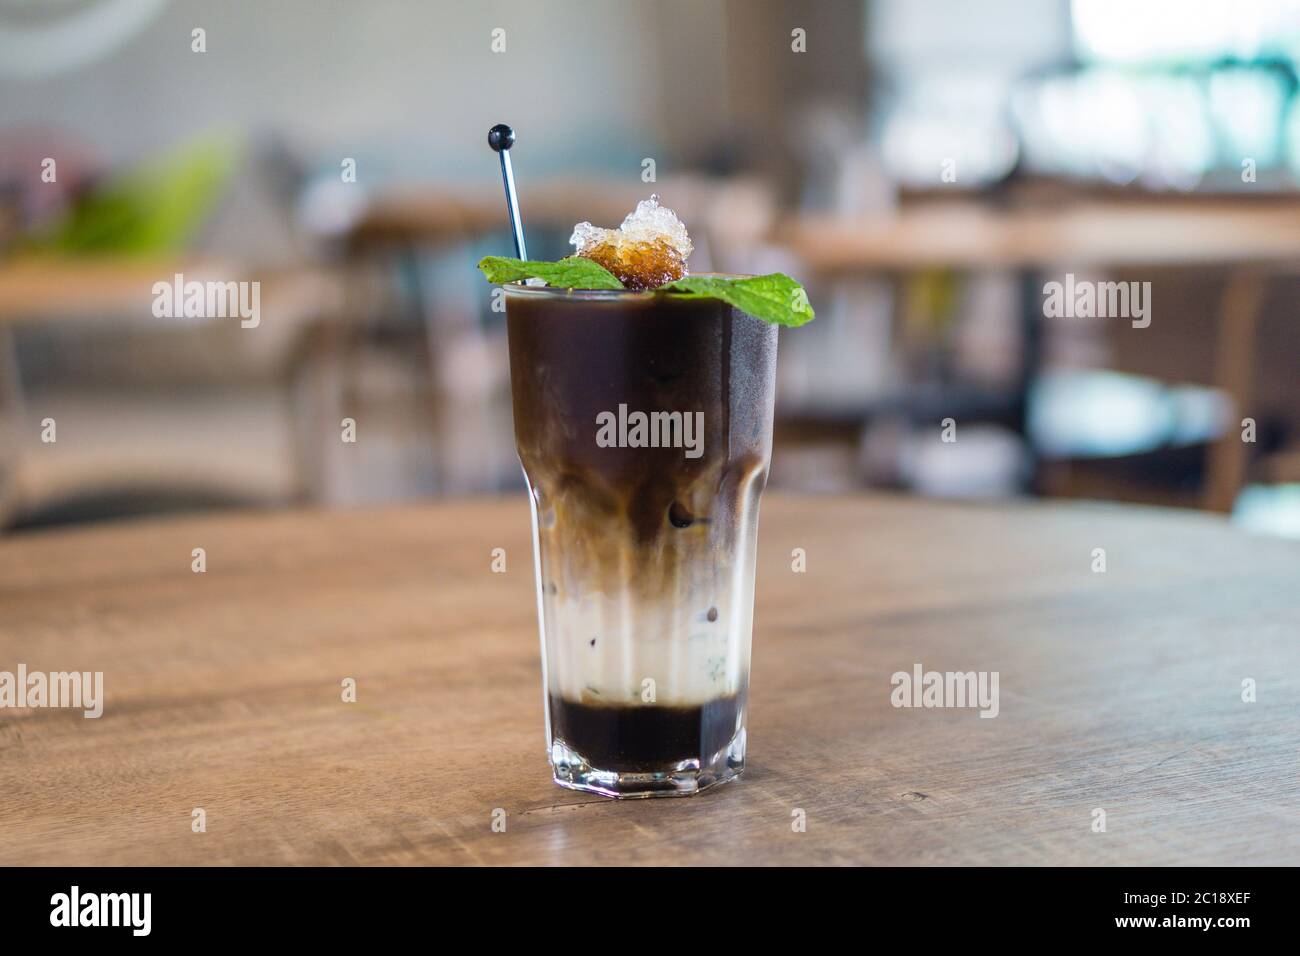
(773, 298)
(571, 273)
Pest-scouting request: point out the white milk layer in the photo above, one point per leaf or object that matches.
(631, 650)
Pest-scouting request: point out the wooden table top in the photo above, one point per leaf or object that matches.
(92, 285)
(963, 234)
(432, 214)
(100, 287)
(1119, 691)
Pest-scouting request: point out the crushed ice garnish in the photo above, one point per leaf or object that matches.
(649, 249)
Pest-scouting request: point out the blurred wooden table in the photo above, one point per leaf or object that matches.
(302, 310)
(1248, 240)
(431, 215)
(966, 234)
(1119, 691)
(36, 289)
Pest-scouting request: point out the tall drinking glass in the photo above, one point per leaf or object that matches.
(644, 426)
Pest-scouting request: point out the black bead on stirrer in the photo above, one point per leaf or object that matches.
(501, 137)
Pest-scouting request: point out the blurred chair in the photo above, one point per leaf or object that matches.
(155, 414)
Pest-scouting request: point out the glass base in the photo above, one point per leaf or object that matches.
(684, 779)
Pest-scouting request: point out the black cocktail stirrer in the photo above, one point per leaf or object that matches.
(501, 137)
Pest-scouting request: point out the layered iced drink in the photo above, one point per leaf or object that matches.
(644, 425)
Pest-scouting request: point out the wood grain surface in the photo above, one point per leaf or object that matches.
(1119, 690)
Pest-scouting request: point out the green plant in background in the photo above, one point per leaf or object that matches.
(152, 209)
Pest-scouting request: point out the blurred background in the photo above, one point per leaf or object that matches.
(924, 168)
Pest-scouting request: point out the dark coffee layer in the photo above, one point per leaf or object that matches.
(609, 509)
(645, 737)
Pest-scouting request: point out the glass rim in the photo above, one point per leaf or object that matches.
(555, 292)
